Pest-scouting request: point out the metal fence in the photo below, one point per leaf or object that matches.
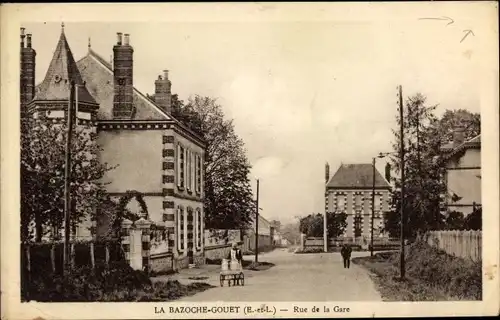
(463, 244)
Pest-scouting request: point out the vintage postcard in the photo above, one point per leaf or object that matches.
(249, 160)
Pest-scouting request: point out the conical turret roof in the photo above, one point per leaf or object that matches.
(62, 70)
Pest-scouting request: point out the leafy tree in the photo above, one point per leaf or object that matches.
(229, 201)
(452, 118)
(42, 177)
(291, 232)
(312, 225)
(473, 221)
(424, 166)
(454, 220)
(276, 224)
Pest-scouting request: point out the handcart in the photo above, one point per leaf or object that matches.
(231, 272)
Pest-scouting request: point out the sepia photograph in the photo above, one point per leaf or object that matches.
(250, 160)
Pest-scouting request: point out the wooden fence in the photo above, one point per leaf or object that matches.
(48, 257)
(463, 244)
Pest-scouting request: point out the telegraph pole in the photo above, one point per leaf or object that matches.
(67, 179)
(373, 207)
(402, 155)
(257, 225)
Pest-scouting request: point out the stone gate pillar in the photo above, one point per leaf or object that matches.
(126, 225)
(145, 226)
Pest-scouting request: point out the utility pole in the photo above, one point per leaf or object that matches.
(67, 179)
(402, 155)
(257, 225)
(373, 207)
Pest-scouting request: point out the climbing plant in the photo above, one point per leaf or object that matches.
(119, 211)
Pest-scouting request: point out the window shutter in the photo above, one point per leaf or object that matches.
(178, 165)
(185, 168)
(189, 170)
(193, 171)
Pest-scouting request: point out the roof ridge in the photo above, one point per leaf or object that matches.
(357, 175)
(108, 67)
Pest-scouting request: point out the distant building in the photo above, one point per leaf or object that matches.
(266, 235)
(349, 190)
(463, 173)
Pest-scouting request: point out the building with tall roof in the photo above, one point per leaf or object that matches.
(155, 154)
(349, 190)
(463, 173)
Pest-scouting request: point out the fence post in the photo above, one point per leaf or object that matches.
(92, 257)
(107, 254)
(72, 253)
(27, 281)
(53, 257)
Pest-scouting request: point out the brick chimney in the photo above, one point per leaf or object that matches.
(458, 135)
(327, 172)
(123, 72)
(27, 79)
(163, 94)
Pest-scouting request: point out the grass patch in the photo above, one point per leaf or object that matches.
(330, 249)
(431, 275)
(162, 273)
(198, 278)
(118, 282)
(248, 265)
(259, 266)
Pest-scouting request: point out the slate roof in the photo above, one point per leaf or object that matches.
(62, 69)
(98, 75)
(474, 143)
(357, 176)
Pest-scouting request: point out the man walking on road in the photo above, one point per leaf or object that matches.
(346, 255)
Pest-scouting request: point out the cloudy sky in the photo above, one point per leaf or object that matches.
(302, 91)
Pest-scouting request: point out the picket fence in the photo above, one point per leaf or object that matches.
(463, 244)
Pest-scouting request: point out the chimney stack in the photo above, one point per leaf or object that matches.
(123, 78)
(22, 37)
(163, 95)
(27, 79)
(458, 135)
(327, 172)
(28, 40)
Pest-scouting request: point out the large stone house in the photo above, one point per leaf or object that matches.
(463, 173)
(156, 154)
(349, 190)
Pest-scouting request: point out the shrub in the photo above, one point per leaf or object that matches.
(457, 278)
(86, 284)
(118, 282)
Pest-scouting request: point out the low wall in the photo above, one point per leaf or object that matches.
(221, 237)
(217, 252)
(462, 244)
(316, 243)
(161, 262)
(265, 243)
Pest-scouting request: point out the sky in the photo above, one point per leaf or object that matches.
(302, 92)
